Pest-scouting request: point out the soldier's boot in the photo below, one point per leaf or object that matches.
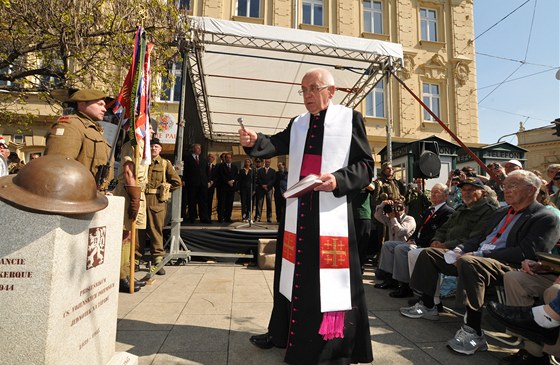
(157, 260)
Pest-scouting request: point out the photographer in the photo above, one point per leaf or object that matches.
(400, 226)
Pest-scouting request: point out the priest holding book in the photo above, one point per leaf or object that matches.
(319, 312)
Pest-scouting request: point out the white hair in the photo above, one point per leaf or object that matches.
(325, 76)
(529, 177)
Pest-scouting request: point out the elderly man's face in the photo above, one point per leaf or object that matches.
(516, 190)
(155, 149)
(316, 96)
(471, 194)
(437, 195)
(197, 149)
(94, 109)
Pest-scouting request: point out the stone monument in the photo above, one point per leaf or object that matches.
(60, 254)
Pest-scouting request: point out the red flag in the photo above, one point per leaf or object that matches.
(132, 103)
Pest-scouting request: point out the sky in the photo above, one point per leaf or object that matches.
(516, 63)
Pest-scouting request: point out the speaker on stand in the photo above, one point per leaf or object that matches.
(427, 164)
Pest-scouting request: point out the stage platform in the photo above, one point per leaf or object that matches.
(236, 239)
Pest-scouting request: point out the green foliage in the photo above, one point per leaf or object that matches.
(60, 44)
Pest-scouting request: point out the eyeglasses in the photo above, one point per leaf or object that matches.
(313, 89)
(514, 186)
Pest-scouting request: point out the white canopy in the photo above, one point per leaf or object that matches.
(254, 72)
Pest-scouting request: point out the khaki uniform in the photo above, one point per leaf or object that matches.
(79, 137)
(156, 210)
(127, 155)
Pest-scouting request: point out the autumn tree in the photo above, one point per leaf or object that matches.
(52, 45)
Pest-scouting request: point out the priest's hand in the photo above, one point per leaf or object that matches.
(247, 137)
(329, 182)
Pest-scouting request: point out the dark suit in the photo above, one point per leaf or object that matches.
(196, 184)
(246, 186)
(265, 178)
(427, 228)
(226, 174)
(280, 186)
(211, 172)
(537, 229)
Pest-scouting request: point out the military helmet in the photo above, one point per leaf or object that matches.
(53, 184)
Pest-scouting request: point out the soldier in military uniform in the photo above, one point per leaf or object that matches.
(79, 136)
(160, 172)
(131, 184)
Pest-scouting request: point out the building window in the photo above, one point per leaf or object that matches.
(373, 16)
(375, 101)
(249, 8)
(18, 138)
(313, 12)
(171, 83)
(184, 5)
(431, 97)
(428, 25)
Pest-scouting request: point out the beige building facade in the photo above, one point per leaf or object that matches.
(543, 148)
(439, 60)
(439, 56)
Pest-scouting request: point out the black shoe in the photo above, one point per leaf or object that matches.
(161, 271)
(522, 357)
(139, 283)
(263, 341)
(228, 221)
(387, 284)
(521, 322)
(403, 291)
(124, 286)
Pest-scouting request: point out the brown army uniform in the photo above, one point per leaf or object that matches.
(79, 137)
(127, 155)
(156, 210)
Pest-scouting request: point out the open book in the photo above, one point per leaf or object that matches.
(303, 186)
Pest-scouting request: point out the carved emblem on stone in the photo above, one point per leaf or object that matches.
(96, 247)
(408, 68)
(435, 68)
(461, 73)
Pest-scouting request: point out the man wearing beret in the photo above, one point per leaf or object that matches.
(160, 172)
(79, 136)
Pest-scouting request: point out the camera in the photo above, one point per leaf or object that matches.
(393, 207)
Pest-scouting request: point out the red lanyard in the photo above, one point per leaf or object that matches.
(508, 220)
(427, 219)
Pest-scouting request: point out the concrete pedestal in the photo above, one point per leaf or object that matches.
(59, 283)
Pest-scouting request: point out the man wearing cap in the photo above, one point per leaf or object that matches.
(79, 136)
(513, 233)
(512, 165)
(160, 172)
(4, 153)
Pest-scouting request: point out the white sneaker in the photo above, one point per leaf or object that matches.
(467, 341)
(419, 310)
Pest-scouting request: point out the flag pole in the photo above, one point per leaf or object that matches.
(133, 228)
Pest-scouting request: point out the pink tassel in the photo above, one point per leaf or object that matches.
(332, 325)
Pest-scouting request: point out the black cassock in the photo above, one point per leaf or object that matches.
(295, 325)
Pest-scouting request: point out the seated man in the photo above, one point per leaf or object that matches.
(513, 233)
(394, 254)
(400, 227)
(521, 287)
(465, 223)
